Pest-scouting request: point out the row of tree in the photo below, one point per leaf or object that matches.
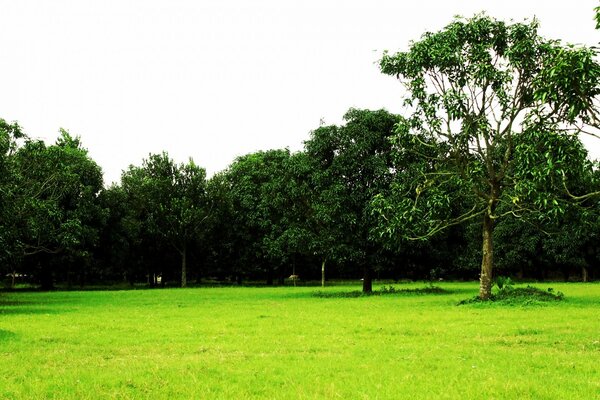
(488, 154)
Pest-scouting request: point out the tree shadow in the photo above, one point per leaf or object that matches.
(16, 307)
(5, 335)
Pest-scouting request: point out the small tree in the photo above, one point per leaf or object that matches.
(497, 111)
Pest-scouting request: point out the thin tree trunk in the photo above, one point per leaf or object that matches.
(367, 281)
(184, 266)
(584, 274)
(323, 273)
(487, 260)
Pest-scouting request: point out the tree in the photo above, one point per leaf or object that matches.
(290, 195)
(10, 135)
(120, 238)
(497, 111)
(255, 181)
(351, 164)
(55, 206)
(220, 258)
(171, 200)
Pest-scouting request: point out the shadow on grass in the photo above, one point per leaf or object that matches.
(15, 307)
(23, 307)
(384, 291)
(28, 310)
(5, 335)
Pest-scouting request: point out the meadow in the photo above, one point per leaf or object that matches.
(287, 343)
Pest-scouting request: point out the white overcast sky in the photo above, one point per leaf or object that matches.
(214, 80)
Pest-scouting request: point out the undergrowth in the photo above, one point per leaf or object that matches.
(385, 290)
(519, 296)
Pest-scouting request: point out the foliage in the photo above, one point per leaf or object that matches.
(55, 209)
(497, 111)
(504, 283)
(269, 203)
(351, 164)
(489, 149)
(10, 135)
(171, 200)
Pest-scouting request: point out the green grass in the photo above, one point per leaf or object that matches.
(278, 343)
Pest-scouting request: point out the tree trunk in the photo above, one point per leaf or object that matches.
(487, 260)
(270, 275)
(184, 266)
(367, 281)
(323, 273)
(584, 274)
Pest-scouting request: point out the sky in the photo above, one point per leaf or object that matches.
(214, 80)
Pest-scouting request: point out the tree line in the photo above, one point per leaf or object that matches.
(486, 170)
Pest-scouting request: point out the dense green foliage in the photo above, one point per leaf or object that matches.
(490, 149)
(497, 114)
(280, 343)
(51, 217)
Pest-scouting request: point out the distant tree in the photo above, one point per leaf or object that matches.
(120, 237)
(351, 164)
(221, 261)
(256, 181)
(55, 204)
(171, 201)
(292, 188)
(10, 253)
(497, 114)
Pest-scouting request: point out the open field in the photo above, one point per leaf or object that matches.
(273, 343)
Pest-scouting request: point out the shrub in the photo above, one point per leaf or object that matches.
(504, 283)
(520, 296)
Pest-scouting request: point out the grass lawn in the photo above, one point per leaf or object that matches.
(277, 343)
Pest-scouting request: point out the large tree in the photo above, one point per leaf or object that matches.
(497, 111)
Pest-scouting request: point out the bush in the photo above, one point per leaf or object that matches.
(504, 283)
(385, 290)
(520, 296)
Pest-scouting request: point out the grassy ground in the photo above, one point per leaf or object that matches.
(274, 343)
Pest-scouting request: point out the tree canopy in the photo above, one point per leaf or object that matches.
(496, 114)
(486, 166)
